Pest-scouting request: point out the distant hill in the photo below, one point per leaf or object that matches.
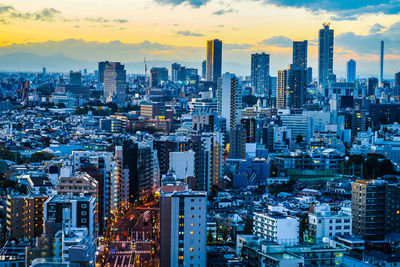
(22, 61)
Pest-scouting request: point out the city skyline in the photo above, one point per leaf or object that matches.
(178, 32)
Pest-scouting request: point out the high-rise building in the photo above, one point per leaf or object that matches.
(325, 54)
(115, 83)
(300, 54)
(25, 215)
(260, 74)
(80, 214)
(372, 84)
(309, 75)
(101, 69)
(397, 80)
(174, 71)
(183, 222)
(138, 165)
(229, 99)
(351, 71)
(296, 87)
(75, 78)
(214, 60)
(281, 88)
(382, 60)
(368, 209)
(237, 142)
(158, 76)
(203, 69)
(208, 159)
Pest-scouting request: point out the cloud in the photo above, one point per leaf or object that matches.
(46, 14)
(343, 9)
(193, 3)
(223, 11)
(376, 28)
(120, 20)
(278, 41)
(370, 44)
(8, 14)
(6, 9)
(189, 33)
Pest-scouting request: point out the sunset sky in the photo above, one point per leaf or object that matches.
(128, 30)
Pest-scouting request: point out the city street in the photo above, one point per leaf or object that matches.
(131, 239)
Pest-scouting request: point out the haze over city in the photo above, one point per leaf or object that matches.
(167, 31)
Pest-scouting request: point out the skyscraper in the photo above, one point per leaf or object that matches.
(158, 76)
(300, 54)
(183, 221)
(101, 68)
(237, 142)
(138, 164)
(229, 99)
(260, 74)
(351, 71)
(203, 69)
(281, 88)
(214, 60)
(115, 83)
(382, 59)
(174, 71)
(325, 54)
(296, 87)
(75, 78)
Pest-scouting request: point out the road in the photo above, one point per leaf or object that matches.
(132, 239)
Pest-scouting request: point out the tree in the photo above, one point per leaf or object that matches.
(225, 234)
(210, 237)
(299, 139)
(41, 156)
(372, 167)
(248, 226)
(386, 167)
(249, 100)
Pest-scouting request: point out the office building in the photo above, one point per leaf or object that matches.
(281, 89)
(325, 54)
(299, 125)
(175, 67)
(325, 223)
(115, 83)
(158, 76)
(237, 142)
(138, 165)
(182, 164)
(203, 69)
(229, 99)
(381, 62)
(309, 75)
(214, 60)
(296, 87)
(372, 84)
(183, 233)
(351, 71)
(101, 68)
(25, 215)
(75, 78)
(260, 74)
(300, 54)
(276, 228)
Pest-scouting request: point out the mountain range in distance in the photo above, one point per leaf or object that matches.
(29, 62)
